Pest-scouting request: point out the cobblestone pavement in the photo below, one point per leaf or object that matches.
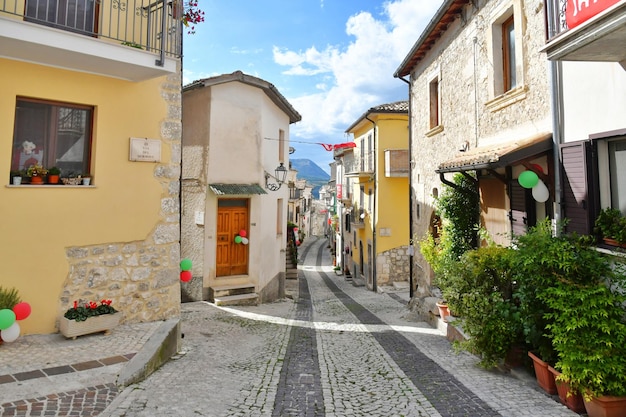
(332, 350)
(339, 350)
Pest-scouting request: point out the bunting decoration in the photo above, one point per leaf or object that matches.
(331, 147)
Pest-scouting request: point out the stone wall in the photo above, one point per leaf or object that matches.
(471, 110)
(142, 277)
(392, 266)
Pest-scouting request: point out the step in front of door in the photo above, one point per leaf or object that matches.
(237, 300)
(227, 290)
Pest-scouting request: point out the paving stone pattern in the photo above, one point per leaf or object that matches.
(333, 350)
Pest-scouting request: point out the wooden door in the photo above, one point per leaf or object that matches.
(231, 258)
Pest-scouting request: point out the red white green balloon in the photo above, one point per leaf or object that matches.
(21, 310)
(7, 318)
(185, 276)
(185, 264)
(237, 239)
(540, 192)
(243, 233)
(11, 334)
(244, 240)
(528, 179)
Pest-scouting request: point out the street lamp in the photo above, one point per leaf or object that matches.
(280, 173)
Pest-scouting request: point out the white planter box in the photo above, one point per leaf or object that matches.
(103, 323)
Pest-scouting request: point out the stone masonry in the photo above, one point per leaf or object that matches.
(392, 266)
(142, 276)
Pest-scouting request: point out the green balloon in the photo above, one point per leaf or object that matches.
(528, 179)
(185, 264)
(237, 239)
(7, 318)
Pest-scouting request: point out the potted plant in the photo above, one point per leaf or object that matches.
(16, 177)
(611, 226)
(480, 290)
(535, 263)
(36, 173)
(71, 178)
(86, 179)
(88, 318)
(9, 297)
(53, 175)
(589, 329)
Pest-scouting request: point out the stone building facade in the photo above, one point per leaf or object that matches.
(477, 110)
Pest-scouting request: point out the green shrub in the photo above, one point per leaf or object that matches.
(8, 298)
(480, 289)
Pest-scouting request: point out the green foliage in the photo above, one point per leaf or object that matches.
(571, 298)
(610, 223)
(588, 331)
(8, 298)
(480, 290)
(54, 171)
(460, 209)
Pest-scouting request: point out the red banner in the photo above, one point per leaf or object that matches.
(579, 11)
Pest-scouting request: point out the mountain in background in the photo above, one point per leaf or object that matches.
(312, 173)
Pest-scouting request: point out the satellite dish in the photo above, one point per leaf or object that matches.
(291, 150)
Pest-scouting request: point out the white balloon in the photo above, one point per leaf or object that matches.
(541, 192)
(11, 334)
(244, 240)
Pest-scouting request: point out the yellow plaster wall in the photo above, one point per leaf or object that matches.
(392, 193)
(38, 224)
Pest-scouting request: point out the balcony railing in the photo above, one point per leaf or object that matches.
(364, 165)
(152, 26)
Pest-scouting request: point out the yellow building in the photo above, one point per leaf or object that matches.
(98, 99)
(375, 194)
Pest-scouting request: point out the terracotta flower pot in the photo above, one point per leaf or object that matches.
(572, 401)
(606, 406)
(36, 180)
(444, 311)
(53, 179)
(545, 379)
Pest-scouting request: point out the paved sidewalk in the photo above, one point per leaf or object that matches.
(46, 374)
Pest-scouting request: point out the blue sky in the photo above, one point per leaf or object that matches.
(332, 59)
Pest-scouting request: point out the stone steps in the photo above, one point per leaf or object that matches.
(244, 294)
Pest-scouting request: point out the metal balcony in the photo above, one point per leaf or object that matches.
(132, 40)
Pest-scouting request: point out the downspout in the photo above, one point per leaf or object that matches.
(556, 78)
(374, 285)
(411, 243)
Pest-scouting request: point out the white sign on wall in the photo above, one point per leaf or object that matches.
(145, 150)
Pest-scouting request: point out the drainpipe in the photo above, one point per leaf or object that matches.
(374, 284)
(556, 78)
(411, 243)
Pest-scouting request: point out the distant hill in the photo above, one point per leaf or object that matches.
(311, 172)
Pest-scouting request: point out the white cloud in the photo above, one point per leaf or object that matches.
(360, 75)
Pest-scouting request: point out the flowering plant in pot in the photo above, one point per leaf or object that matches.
(90, 309)
(36, 173)
(89, 318)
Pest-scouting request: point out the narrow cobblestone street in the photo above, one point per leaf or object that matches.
(340, 350)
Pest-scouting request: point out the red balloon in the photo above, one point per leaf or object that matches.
(242, 233)
(185, 276)
(21, 310)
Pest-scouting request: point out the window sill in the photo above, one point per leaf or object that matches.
(505, 100)
(434, 131)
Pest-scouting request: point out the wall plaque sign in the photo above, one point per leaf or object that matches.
(145, 150)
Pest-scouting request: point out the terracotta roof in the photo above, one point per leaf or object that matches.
(401, 107)
(498, 155)
(237, 189)
(447, 13)
(269, 89)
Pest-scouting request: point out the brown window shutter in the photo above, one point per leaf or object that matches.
(577, 199)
